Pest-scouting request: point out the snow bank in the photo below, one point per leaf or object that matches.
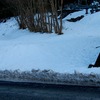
(49, 76)
(67, 53)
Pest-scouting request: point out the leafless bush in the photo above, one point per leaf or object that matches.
(38, 16)
(57, 24)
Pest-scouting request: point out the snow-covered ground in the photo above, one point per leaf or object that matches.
(68, 53)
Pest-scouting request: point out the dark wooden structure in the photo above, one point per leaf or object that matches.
(97, 63)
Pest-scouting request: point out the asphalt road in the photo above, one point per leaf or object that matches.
(33, 91)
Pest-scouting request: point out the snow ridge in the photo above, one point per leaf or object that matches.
(49, 76)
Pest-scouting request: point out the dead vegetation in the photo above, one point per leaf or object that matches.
(38, 16)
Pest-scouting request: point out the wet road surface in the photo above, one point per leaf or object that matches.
(34, 91)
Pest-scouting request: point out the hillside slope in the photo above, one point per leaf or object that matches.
(70, 52)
